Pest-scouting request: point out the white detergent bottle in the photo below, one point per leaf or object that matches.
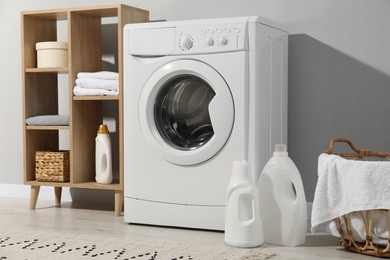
(103, 157)
(282, 200)
(243, 225)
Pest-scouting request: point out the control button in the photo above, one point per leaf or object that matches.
(209, 41)
(186, 43)
(223, 41)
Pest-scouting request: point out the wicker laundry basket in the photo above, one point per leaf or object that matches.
(343, 223)
(52, 166)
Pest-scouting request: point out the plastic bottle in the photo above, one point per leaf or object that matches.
(103, 157)
(282, 200)
(243, 225)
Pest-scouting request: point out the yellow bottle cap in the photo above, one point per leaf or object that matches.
(103, 129)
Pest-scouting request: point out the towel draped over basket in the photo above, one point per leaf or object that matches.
(352, 199)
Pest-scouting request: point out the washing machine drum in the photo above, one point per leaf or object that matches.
(186, 112)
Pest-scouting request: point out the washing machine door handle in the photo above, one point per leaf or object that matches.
(221, 112)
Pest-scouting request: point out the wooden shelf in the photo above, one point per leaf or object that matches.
(56, 15)
(84, 185)
(41, 94)
(53, 184)
(47, 127)
(93, 185)
(47, 70)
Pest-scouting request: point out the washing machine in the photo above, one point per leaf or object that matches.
(198, 94)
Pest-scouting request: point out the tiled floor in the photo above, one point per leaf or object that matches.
(80, 220)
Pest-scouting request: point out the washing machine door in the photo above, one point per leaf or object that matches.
(186, 112)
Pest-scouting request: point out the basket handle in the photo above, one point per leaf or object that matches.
(357, 152)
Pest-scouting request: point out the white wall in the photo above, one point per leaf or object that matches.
(357, 29)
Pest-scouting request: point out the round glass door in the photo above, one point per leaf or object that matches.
(181, 112)
(186, 112)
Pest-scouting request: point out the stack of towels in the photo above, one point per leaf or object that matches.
(348, 186)
(101, 83)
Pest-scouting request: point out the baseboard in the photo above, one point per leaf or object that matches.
(21, 191)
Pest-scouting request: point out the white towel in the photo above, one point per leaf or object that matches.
(99, 75)
(346, 186)
(48, 120)
(98, 83)
(79, 91)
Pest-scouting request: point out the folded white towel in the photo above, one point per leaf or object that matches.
(79, 91)
(99, 75)
(346, 186)
(98, 83)
(48, 120)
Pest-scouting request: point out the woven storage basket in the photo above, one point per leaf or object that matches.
(52, 166)
(344, 224)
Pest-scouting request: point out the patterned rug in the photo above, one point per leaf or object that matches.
(24, 245)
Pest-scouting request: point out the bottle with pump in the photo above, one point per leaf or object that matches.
(103, 157)
(282, 200)
(243, 225)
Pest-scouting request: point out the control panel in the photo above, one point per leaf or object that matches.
(210, 38)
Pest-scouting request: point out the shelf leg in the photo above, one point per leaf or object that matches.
(118, 202)
(34, 196)
(58, 192)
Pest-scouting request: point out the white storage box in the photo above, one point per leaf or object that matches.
(52, 54)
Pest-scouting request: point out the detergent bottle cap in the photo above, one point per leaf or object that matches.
(240, 170)
(103, 129)
(280, 150)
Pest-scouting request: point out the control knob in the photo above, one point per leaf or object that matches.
(209, 41)
(223, 41)
(186, 43)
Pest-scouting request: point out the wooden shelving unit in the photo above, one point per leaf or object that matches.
(40, 93)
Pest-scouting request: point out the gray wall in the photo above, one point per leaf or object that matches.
(339, 69)
(332, 95)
